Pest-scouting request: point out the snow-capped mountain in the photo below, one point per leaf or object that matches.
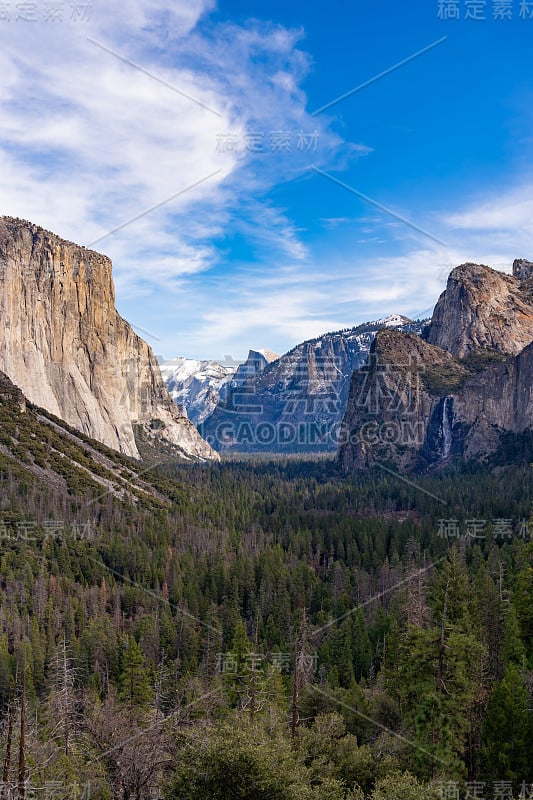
(297, 402)
(393, 321)
(198, 386)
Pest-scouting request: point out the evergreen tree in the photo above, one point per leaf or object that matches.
(438, 684)
(136, 688)
(508, 729)
(523, 603)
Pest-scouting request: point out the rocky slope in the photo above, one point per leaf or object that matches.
(398, 409)
(297, 402)
(456, 394)
(64, 345)
(40, 450)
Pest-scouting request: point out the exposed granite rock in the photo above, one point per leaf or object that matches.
(256, 362)
(483, 310)
(456, 394)
(399, 406)
(297, 402)
(496, 400)
(70, 352)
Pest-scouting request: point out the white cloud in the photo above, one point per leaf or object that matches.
(496, 228)
(511, 211)
(89, 142)
(281, 306)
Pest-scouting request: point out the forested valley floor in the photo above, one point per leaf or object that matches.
(265, 630)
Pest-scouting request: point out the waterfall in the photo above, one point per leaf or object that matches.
(446, 427)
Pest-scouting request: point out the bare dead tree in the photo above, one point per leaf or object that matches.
(63, 698)
(7, 758)
(301, 670)
(9, 743)
(22, 742)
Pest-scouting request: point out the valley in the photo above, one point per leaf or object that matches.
(301, 621)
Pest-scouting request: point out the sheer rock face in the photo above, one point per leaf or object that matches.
(399, 407)
(456, 394)
(63, 343)
(496, 400)
(482, 309)
(256, 362)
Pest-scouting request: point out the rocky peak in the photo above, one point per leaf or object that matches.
(256, 361)
(418, 403)
(70, 352)
(482, 310)
(398, 402)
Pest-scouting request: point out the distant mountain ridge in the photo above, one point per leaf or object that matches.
(198, 386)
(296, 403)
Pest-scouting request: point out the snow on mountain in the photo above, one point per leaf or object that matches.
(197, 385)
(296, 402)
(315, 373)
(393, 321)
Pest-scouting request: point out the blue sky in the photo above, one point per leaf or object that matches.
(182, 140)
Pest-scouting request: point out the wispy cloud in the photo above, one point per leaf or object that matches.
(510, 211)
(103, 120)
(278, 307)
(90, 141)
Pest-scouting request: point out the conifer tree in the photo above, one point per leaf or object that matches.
(508, 728)
(135, 685)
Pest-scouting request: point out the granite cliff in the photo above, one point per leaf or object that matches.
(65, 346)
(395, 401)
(484, 310)
(458, 390)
